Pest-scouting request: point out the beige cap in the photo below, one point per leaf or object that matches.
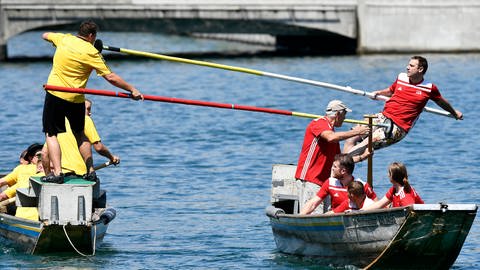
(337, 105)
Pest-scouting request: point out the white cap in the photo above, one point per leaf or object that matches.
(337, 105)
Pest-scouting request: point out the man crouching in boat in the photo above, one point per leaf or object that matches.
(336, 185)
(357, 199)
(320, 145)
(19, 177)
(72, 160)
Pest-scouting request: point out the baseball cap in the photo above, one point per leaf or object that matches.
(337, 105)
(31, 150)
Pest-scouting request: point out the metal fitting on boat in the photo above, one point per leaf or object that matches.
(108, 215)
(272, 211)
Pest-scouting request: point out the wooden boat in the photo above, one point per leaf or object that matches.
(428, 236)
(64, 217)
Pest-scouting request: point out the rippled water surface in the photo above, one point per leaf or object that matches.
(194, 181)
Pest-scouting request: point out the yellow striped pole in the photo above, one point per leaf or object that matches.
(193, 102)
(347, 89)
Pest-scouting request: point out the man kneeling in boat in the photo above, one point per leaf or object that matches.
(72, 160)
(19, 177)
(357, 199)
(336, 185)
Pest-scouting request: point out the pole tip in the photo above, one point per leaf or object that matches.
(98, 44)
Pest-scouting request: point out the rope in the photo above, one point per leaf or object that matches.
(94, 241)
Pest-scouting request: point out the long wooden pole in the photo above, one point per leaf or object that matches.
(259, 73)
(370, 149)
(193, 102)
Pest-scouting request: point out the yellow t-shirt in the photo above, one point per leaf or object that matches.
(21, 175)
(73, 62)
(21, 171)
(72, 160)
(90, 130)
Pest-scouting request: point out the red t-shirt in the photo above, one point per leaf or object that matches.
(349, 205)
(338, 193)
(317, 155)
(408, 101)
(402, 198)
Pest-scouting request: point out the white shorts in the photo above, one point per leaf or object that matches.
(382, 136)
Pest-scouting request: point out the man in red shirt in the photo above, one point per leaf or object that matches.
(336, 186)
(320, 145)
(357, 199)
(408, 96)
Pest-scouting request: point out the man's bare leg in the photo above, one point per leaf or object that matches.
(54, 156)
(350, 143)
(85, 149)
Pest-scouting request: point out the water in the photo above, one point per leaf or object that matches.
(193, 183)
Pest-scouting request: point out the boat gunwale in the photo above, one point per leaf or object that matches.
(410, 208)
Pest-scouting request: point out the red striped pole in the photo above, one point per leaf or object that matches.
(169, 100)
(191, 102)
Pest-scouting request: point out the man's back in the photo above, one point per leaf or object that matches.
(73, 62)
(317, 155)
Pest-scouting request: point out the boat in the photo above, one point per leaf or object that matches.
(50, 218)
(420, 236)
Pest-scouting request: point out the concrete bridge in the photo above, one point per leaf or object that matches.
(316, 26)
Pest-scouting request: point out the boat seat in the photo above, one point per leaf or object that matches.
(288, 202)
(101, 200)
(26, 198)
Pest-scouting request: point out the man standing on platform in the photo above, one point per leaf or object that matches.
(320, 146)
(75, 58)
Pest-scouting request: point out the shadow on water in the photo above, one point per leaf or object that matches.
(301, 262)
(190, 55)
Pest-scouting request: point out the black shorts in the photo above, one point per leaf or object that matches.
(56, 109)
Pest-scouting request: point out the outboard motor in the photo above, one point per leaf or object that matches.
(108, 215)
(272, 211)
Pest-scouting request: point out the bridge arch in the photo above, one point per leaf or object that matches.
(293, 23)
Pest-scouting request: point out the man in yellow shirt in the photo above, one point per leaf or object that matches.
(72, 160)
(93, 137)
(19, 177)
(75, 58)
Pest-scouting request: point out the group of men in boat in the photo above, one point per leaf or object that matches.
(32, 160)
(74, 60)
(69, 130)
(323, 170)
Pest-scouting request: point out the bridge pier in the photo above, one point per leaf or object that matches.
(3, 39)
(3, 52)
(327, 44)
